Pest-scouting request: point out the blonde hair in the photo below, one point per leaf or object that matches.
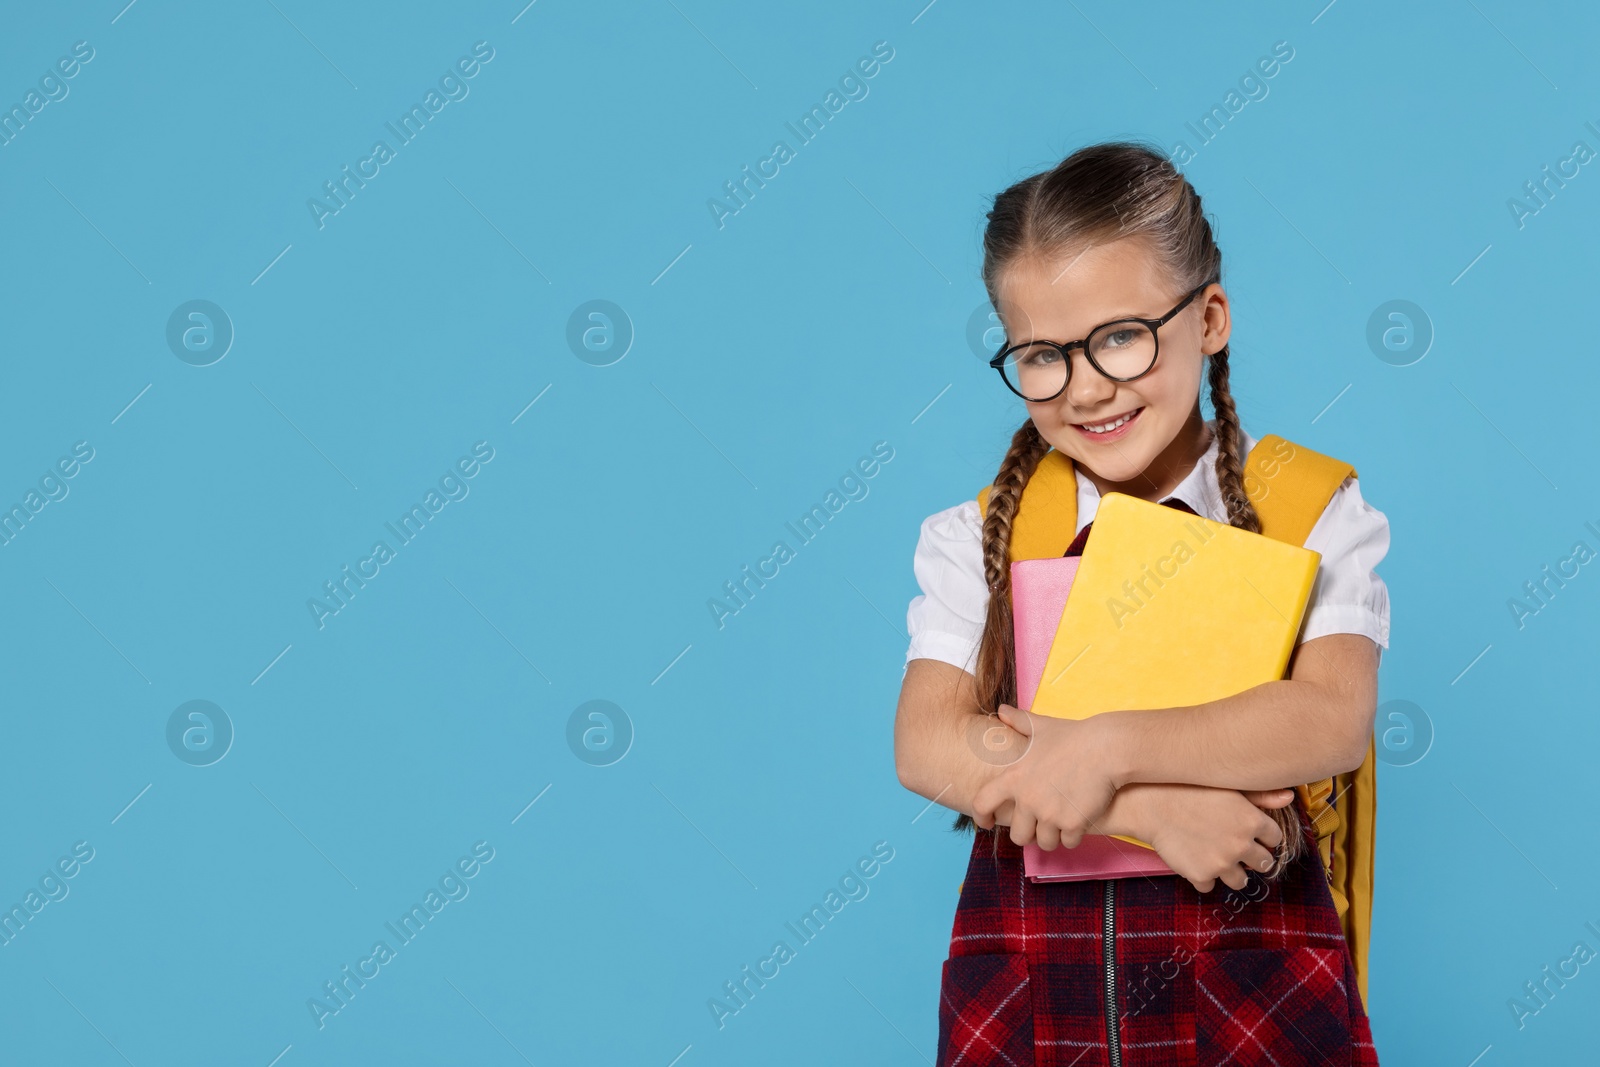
(1102, 192)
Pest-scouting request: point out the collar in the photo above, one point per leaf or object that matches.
(1199, 488)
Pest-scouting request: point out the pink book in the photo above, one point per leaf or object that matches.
(1039, 590)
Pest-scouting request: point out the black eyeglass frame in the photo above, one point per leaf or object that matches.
(1154, 325)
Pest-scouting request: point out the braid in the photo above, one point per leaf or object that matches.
(1230, 467)
(996, 673)
(1028, 447)
(1242, 514)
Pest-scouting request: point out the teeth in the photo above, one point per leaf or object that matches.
(1107, 426)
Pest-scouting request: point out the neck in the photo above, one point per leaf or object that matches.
(1168, 469)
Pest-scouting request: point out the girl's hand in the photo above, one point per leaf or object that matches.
(1204, 833)
(1058, 788)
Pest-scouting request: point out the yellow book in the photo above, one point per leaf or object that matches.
(1169, 609)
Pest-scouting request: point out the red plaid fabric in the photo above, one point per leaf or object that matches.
(1230, 977)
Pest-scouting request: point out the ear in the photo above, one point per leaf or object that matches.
(1216, 320)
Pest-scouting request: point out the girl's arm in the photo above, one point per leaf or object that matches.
(1313, 724)
(947, 749)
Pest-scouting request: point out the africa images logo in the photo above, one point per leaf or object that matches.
(453, 887)
(453, 486)
(453, 87)
(853, 485)
(852, 887)
(852, 85)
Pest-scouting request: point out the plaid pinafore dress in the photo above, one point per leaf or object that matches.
(1147, 972)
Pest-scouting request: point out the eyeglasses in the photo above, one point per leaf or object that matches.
(1122, 350)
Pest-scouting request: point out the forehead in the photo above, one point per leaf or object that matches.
(1063, 296)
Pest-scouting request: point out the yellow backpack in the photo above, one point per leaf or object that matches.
(1289, 485)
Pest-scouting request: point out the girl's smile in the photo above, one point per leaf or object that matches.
(1111, 429)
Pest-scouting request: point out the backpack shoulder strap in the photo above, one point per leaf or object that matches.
(1047, 517)
(1290, 485)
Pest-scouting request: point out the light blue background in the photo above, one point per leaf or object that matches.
(826, 316)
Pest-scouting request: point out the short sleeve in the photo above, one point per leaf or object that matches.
(945, 621)
(1347, 596)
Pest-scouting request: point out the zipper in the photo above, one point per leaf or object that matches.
(1113, 1039)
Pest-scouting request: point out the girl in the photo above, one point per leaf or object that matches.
(1172, 970)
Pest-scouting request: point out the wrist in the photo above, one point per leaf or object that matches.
(1108, 737)
(991, 747)
(1132, 812)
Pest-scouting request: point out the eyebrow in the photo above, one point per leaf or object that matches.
(1096, 326)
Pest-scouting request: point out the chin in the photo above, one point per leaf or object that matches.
(1121, 465)
(1121, 472)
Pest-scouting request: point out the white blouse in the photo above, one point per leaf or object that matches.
(1347, 597)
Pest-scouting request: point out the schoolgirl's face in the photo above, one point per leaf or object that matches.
(1064, 298)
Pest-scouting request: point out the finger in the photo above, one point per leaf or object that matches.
(984, 802)
(1270, 798)
(1005, 812)
(1269, 833)
(1257, 857)
(1022, 828)
(1203, 885)
(1017, 719)
(1047, 835)
(1237, 878)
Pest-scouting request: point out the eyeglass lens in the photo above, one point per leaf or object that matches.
(1120, 349)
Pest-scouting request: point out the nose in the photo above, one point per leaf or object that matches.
(1086, 387)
